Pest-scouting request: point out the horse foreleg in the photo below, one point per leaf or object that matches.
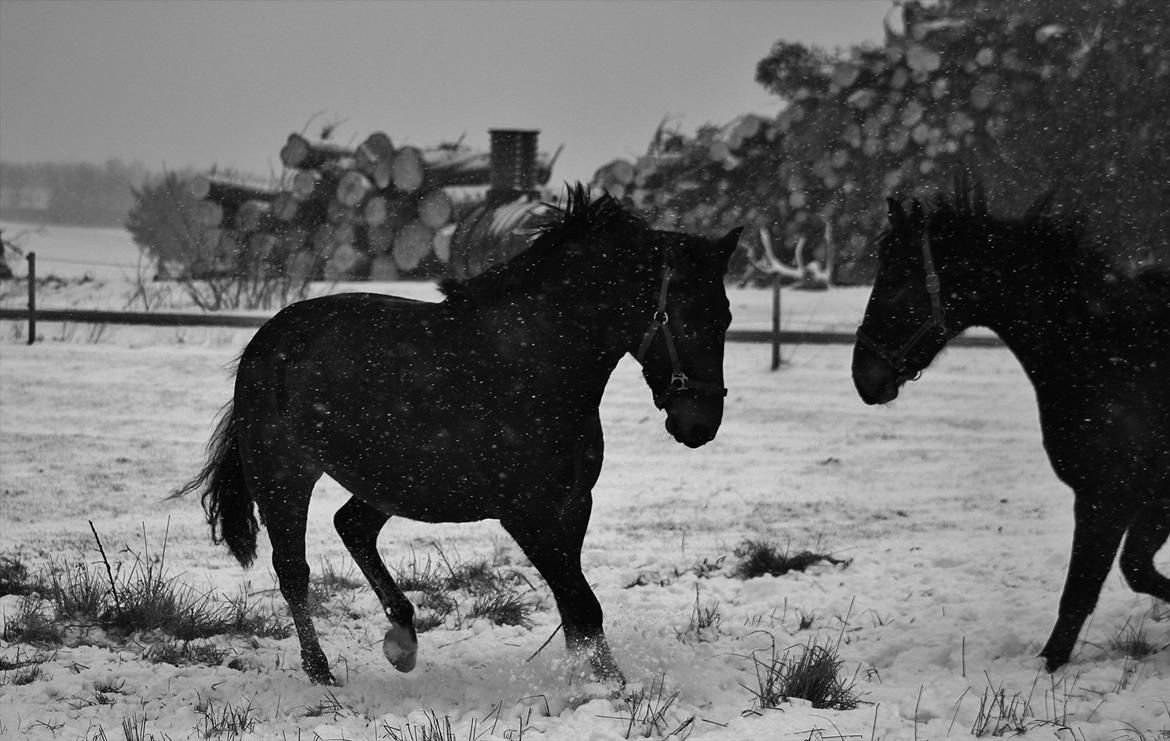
(1096, 536)
(1145, 536)
(556, 554)
(587, 461)
(358, 525)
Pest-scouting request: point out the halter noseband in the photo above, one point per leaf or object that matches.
(679, 381)
(936, 322)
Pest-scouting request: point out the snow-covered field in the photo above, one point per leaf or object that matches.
(956, 530)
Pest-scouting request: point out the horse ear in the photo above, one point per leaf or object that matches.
(979, 198)
(1039, 206)
(728, 242)
(894, 212)
(916, 211)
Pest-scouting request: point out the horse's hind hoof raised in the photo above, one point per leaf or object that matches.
(400, 647)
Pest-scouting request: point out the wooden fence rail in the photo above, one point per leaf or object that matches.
(32, 314)
(160, 319)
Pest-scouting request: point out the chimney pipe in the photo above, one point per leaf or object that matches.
(513, 161)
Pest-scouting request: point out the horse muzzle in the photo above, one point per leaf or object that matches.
(693, 420)
(876, 382)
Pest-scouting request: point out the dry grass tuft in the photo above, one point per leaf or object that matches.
(757, 558)
(810, 672)
(499, 595)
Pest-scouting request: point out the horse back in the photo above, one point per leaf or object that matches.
(342, 314)
(345, 334)
(1154, 285)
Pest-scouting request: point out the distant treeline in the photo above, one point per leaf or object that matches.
(76, 193)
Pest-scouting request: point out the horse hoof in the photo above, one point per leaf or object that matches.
(317, 667)
(606, 671)
(321, 676)
(400, 648)
(1052, 663)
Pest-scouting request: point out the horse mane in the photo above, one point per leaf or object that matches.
(1077, 263)
(967, 204)
(583, 219)
(1062, 240)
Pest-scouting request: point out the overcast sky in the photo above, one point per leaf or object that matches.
(177, 83)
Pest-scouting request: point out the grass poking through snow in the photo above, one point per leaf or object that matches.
(644, 712)
(757, 558)
(14, 576)
(501, 596)
(810, 672)
(703, 624)
(226, 722)
(1132, 641)
(131, 597)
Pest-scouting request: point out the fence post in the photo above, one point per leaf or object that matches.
(775, 321)
(32, 297)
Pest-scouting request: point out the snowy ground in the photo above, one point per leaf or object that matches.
(957, 531)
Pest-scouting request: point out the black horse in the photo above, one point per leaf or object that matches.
(1094, 341)
(482, 406)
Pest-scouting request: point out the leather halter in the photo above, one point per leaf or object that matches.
(680, 382)
(937, 322)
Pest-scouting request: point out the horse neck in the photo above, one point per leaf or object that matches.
(1026, 300)
(588, 322)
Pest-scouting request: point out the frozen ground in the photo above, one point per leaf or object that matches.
(957, 531)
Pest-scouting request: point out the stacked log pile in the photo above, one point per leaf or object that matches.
(959, 85)
(374, 211)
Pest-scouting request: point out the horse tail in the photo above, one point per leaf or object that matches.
(227, 503)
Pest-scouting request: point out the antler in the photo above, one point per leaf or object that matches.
(771, 265)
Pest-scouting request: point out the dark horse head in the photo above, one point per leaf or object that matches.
(910, 315)
(672, 314)
(681, 349)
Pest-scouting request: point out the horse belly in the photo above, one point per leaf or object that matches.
(432, 471)
(1118, 441)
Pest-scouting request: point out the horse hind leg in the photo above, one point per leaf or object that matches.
(1145, 536)
(358, 524)
(283, 496)
(1096, 537)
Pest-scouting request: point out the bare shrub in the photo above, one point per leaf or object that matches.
(215, 268)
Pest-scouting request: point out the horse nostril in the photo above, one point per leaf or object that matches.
(692, 435)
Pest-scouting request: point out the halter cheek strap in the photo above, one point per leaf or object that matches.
(933, 289)
(679, 381)
(936, 323)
